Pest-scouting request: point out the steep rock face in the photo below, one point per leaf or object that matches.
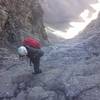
(64, 16)
(20, 18)
(93, 27)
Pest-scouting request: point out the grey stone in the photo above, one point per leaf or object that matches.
(92, 94)
(7, 89)
(37, 93)
(21, 96)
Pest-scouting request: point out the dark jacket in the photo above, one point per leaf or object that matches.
(34, 52)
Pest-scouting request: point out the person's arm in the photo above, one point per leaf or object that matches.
(21, 58)
(30, 63)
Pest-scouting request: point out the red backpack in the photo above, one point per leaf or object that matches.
(32, 42)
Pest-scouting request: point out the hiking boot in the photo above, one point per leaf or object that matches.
(38, 72)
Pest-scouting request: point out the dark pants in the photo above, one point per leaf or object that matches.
(36, 61)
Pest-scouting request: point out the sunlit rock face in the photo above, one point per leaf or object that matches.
(65, 19)
(20, 18)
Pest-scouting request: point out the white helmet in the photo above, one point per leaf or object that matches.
(22, 51)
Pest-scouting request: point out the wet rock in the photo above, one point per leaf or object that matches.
(7, 89)
(21, 96)
(22, 86)
(92, 94)
(52, 96)
(37, 93)
(22, 80)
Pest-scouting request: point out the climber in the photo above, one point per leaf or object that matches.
(32, 49)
